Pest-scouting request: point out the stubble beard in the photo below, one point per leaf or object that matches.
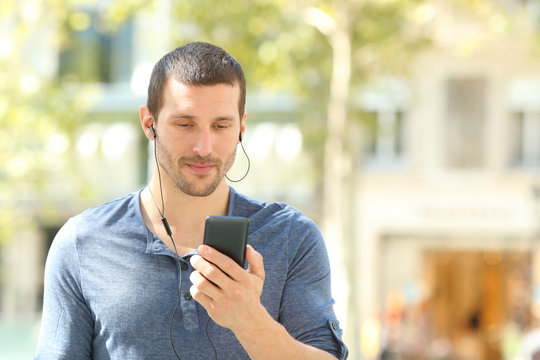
(201, 186)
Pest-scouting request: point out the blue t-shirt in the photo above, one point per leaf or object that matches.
(111, 286)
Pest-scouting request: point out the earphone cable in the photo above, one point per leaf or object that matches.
(208, 337)
(248, 165)
(169, 232)
(178, 267)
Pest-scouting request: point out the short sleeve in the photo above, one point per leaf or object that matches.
(67, 323)
(307, 306)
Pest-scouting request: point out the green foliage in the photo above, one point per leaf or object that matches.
(279, 49)
(38, 115)
(276, 48)
(385, 39)
(282, 52)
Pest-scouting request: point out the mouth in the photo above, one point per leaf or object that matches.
(200, 168)
(198, 165)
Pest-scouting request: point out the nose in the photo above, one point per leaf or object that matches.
(203, 144)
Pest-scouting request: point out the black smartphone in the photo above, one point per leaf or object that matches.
(228, 235)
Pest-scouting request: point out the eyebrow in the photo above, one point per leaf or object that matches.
(193, 117)
(181, 116)
(225, 118)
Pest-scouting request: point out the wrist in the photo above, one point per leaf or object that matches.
(261, 324)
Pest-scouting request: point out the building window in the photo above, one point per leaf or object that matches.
(465, 122)
(97, 54)
(524, 120)
(384, 143)
(382, 104)
(526, 147)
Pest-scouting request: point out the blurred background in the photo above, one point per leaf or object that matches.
(409, 130)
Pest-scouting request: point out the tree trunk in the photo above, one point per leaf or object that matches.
(336, 166)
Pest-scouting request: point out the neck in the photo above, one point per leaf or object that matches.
(184, 213)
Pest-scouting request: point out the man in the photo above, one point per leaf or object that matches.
(131, 279)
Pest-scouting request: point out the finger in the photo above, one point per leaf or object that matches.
(200, 297)
(255, 261)
(210, 270)
(204, 285)
(227, 265)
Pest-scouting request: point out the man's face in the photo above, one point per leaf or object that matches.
(197, 133)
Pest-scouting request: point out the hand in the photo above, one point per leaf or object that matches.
(230, 294)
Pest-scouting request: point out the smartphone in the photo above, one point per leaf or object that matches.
(228, 235)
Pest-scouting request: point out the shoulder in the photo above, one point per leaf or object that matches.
(113, 216)
(117, 215)
(280, 227)
(112, 210)
(269, 214)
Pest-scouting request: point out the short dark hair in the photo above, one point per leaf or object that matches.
(196, 63)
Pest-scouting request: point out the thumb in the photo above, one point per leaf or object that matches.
(255, 262)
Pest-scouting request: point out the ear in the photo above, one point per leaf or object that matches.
(243, 124)
(147, 120)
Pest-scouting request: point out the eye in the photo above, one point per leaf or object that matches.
(221, 125)
(184, 124)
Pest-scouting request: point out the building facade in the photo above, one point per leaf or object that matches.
(448, 206)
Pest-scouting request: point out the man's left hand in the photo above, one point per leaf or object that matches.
(230, 294)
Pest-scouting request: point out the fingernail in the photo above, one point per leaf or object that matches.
(203, 250)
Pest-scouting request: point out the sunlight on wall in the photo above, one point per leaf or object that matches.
(6, 46)
(141, 78)
(261, 140)
(58, 144)
(284, 140)
(289, 142)
(370, 337)
(116, 139)
(88, 142)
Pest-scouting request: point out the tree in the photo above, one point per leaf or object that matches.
(39, 115)
(317, 51)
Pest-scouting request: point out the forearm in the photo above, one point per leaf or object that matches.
(231, 296)
(269, 340)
